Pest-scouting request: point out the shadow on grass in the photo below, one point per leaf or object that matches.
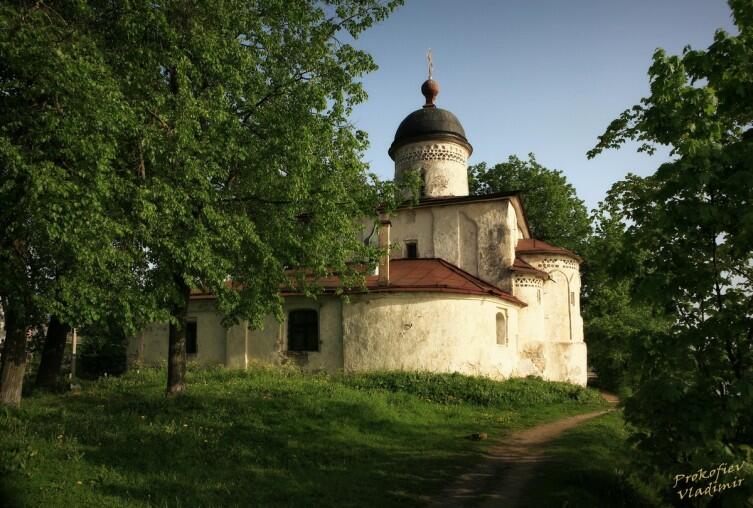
(249, 447)
(589, 467)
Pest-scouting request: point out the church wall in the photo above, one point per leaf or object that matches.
(153, 348)
(444, 166)
(551, 343)
(435, 332)
(530, 290)
(498, 229)
(237, 345)
(566, 361)
(269, 344)
(561, 296)
(210, 336)
(413, 225)
(480, 238)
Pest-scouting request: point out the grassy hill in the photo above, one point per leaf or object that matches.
(264, 437)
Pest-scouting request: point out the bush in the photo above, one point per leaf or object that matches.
(454, 388)
(101, 354)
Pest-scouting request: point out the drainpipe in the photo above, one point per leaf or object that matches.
(384, 244)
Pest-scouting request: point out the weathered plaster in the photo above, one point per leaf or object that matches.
(269, 344)
(443, 164)
(152, 342)
(551, 326)
(480, 237)
(428, 331)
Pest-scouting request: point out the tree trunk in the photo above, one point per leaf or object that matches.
(176, 357)
(14, 357)
(52, 353)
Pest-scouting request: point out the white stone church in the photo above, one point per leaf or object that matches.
(464, 289)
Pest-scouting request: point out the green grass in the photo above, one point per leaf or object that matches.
(263, 437)
(588, 467)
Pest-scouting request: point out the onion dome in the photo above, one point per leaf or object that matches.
(429, 123)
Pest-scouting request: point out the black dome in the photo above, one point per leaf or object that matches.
(429, 123)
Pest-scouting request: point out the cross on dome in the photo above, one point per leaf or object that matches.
(430, 88)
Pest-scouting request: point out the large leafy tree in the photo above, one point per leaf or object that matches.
(613, 320)
(64, 253)
(695, 389)
(555, 212)
(230, 145)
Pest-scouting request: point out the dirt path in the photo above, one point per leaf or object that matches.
(500, 478)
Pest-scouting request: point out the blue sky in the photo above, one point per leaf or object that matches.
(541, 76)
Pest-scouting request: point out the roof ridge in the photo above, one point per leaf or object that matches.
(481, 284)
(542, 246)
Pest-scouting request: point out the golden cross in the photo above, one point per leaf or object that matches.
(431, 65)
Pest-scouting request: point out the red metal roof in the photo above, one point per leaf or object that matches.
(435, 275)
(413, 275)
(521, 266)
(531, 246)
(424, 275)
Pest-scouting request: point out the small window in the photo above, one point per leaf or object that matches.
(538, 295)
(411, 250)
(501, 329)
(191, 338)
(303, 330)
(572, 297)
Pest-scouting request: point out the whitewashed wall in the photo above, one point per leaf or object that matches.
(435, 332)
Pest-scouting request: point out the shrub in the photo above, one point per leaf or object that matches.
(457, 388)
(101, 354)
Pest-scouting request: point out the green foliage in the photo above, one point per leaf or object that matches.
(589, 467)
(455, 388)
(65, 244)
(102, 351)
(555, 213)
(261, 437)
(613, 319)
(694, 387)
(148, 149)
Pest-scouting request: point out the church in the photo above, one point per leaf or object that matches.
(464, 288)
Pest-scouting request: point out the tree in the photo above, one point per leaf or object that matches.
(613, 320)
(555, 212)
(231, 149)
(694, 390)
(64, 249)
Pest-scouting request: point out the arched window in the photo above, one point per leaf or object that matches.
(303, 330)
(501, 329)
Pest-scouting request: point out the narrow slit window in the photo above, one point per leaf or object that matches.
(303, 330)
(411, 250)
(572, 297)
(501, 329)
(192, 343)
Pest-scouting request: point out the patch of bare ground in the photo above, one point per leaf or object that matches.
(500, 479)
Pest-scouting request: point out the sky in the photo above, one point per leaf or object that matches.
(540, 76)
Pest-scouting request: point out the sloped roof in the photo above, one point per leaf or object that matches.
(531, 246)
(430, 275)
(429, 124)
(521, 266)
(435, 275)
